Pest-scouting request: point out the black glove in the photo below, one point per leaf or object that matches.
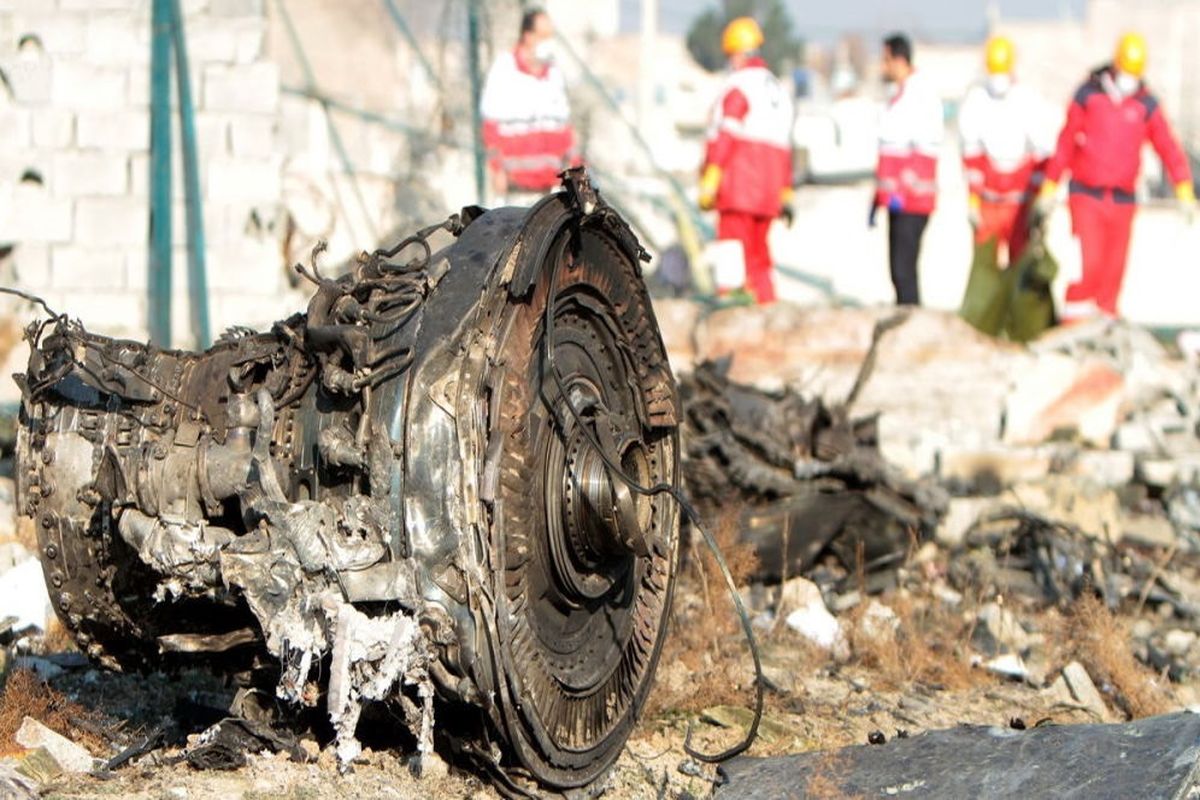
(787, 214)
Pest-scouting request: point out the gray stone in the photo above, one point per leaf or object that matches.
(1000, 631)
(69, 756)
(1148, 530)
(1150, 758)
(1083, 690)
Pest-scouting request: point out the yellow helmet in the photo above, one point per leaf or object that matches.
(999, 55)
(741, 36)
(1131, 54)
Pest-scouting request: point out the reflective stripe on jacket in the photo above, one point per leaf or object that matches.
(1006, 140)
(910, 134)
(526, 123)
(750, 139)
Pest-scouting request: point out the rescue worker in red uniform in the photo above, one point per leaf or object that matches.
(1110, 118)
(747, 173)
(1005, 146)
(526, 117)
(910, 134)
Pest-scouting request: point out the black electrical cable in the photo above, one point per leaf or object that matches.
(33, 298)
(75, 338)
(675, 493)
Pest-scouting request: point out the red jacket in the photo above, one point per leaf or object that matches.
(750, 139)
(1101, 142)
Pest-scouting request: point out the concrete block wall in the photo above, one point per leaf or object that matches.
(74, 160)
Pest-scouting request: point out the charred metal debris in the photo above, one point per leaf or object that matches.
(387, 498)
(808, 481)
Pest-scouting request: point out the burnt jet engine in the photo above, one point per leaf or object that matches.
(424, 488)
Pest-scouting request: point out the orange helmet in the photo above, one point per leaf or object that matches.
(742, 35)
(999, 55)
(1131, 54)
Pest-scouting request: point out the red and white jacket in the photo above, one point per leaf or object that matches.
(527, 123)
(1006, 140)
(750, 139)
(910, 134)
(1101, 142)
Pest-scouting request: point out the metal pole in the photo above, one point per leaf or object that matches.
(159, 279)
(197, 278)
(476, 97)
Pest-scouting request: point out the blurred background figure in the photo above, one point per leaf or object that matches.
(910, 134)
(747, 172)
(1006, 141)
(526, 116)
(1110, 118)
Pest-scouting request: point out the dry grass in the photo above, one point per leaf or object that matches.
(25, 695)
(930, 646)
(708, 642)
(1101, 642)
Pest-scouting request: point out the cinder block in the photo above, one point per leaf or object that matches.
(210, 41)
(242, 307)
(249, 45)
(30, 75)
(298, 120)
(80, 174)
(212, 135)
(253, 136)
(113, 313)
(139, 174)
(59, 34)
(139, 88)
(235, 8)
(243, 179)
(137, 266)
(24, 6)
(249, 88)
(82, 86)
(103, 221)
(101, 5)
(248, 265)
(16, 128)
(53, 128)
(37, 216)
(31, 261)
(117, 40)
(127, 130)
(81, 266)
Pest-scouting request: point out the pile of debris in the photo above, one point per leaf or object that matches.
(808, 480)
(1004, 481)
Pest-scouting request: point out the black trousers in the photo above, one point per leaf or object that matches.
(904, 244)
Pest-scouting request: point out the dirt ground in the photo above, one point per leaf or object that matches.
(917, 676)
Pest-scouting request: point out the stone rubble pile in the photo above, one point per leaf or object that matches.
(1067, 468)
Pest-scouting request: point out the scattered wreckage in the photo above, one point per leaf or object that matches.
(423, 487)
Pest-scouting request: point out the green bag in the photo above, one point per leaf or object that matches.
(1032, 311)
(989, 291)
(1013, 302)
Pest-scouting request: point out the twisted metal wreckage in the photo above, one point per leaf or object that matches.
(430, 484)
